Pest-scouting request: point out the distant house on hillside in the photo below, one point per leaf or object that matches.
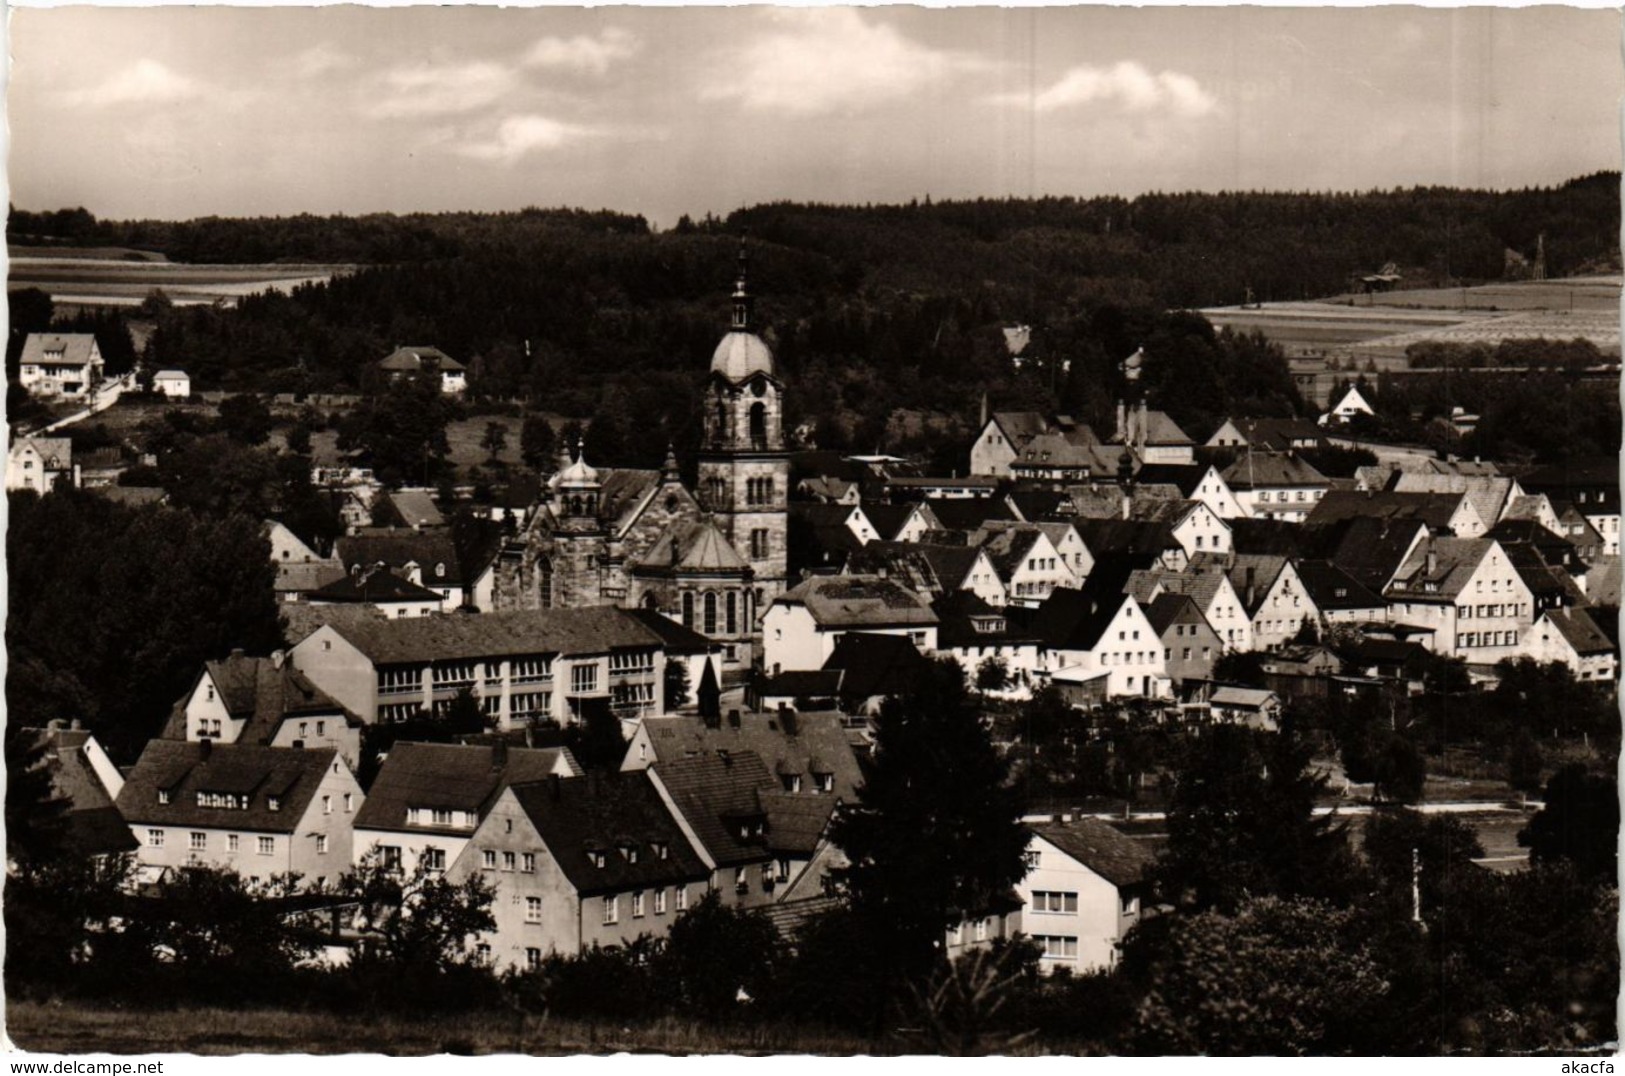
(60, 364)
(1352, 403)
(173, 383)
(406, 361)
(39, 463)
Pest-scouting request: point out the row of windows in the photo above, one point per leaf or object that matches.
(198, 841)
(759, 491)
(1487, 638)
(1468, 612)
(525, 862)
(1285, 496)
(636, 903)
(1040, 564)
(717, 613)
(632, 661)
(1055, 903)
(440, 816)
(1185, 654)
(1128, 657)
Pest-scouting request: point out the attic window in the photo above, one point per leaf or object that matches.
(273, 803)
(597, 859)
(660, 849)
(629, 853)
(163, 795)
(439, 571)
(1340, 592)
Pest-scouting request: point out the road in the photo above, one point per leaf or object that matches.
(107, 394)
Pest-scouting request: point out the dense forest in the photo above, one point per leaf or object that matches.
(886, 319)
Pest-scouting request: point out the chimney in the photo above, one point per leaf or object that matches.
(1432, 562)
(787, 720)
(1122, 423)
(74, 725)
(556, 784)
(205, 748)
(499, 755)
(236, 653)
(277, 658)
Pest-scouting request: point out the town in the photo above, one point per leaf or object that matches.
(1161, 625)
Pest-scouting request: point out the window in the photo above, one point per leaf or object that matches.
(528, 861)
(660, 902)
(321, 844)
(267, 845)
(508, 860)
(233, 842)
(197, 841)
(1131, 905)
(710, 620)
(441, 816)
(390, 855)
(1057, 947)
(488, 860)
(956, 936)
(349, 803)
(825, 782)
(733, 614)
(163, 795)
(533, 910)
(682, 898)
(981, 930)
(273, 803)
(482, 952)
(533, 959)
(612, 910)
(758, 544)
(327, 804)
(583, 679)
(637, 904)
(1055, 903)
(434, 859)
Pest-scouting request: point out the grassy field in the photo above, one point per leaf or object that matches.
(78, 1029)
(109, 280)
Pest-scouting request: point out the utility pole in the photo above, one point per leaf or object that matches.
(1416, 889)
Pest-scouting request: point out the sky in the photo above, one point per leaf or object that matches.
(233, 111)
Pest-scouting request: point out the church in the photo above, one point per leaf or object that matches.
(711, 558)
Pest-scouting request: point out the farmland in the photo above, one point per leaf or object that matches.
(115, 277)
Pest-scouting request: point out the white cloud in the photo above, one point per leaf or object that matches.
(829, 60)
(1126, 85)
(517, 136)
(581, 53)
(143, 82)
(320, 59)
(440, 91)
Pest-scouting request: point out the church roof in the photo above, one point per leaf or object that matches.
(695, 547)
(742, 355)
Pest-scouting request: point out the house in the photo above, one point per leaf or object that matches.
(525, 667)
(1151, 541)
(1490, 495)
(873, 668)
(1195, 482)
(806, 752)
(411, 508)
(60, 364)
(1531, 507)
(1190, 646)
(972, 632)
(172, 383)
(1208, 584)
(1001, 440)
(1098, 643)
(716, 800)
(40, 464)
(380, 589)
(1026, 562)
(85, 779)
(1054, 458)
(1084, 890)
(905, 489)
(1572, 637)
(1591, 485)
(429, 798)
(803, 624)
(931, 569)
(1272, 595)
(1344, 411)
(427, 558)
(262, 811)
(578, 862)
(1276, 485)
(1152, 436)
(957, 515)
(1446, 514)
(1253, 707)
(263, 701)
(1268, 435)
(851, 517)
(1469, 593)
(407, 361)
(1338, 597)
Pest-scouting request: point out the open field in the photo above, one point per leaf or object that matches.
(108, 281)
(72, 1028)
(121, 254)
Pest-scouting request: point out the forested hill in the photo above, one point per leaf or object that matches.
(886, 319)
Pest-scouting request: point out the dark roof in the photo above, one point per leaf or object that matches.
(796, 820)
(1186, 477)
(821, 514)
(1169, 608)
(790, 917)
(1020, 427)
(619, 816)
(1075, 619)
(859, 601)
(433, 552)
(621, 489)
(92, 825)
(1275, 537)
(800, 684)
(463, 777)
(1434, 509)
(957, 615)
(787, 743)
(373, 586)
(1369, 550)
(184, 769)
(596, 629)
(1267, 470)
(1036, 504)
(714, 793)
(1330, 588)
(1554, 548)
(1121, 860)
(967, 513)
(409, 359)
(1590, 472)
(1279, 434)
(1581, 631)
(874, 665)
(675, 638)
(819, 548)
(887, 519)
(261, 692)
(1146, 538)
(926, 567)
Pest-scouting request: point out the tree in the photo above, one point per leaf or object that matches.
(993, 674)
(714, 954)
(298, 438)
(401, 432)
(1444, 847)
(421, 920)
(1579, 823)
(463, 714)
(1524, 762)
(935, 836)
(495, 439)
(1399, 770)
(675, 689)
(1242, 823)
(538, 444)
(245, 418)
(1276, 976)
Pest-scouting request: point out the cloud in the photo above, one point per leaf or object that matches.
(143, 82)
(517, 136)
(320, 59)
(593, 55)
(828, 60)
(440, 91)
(1127, 86)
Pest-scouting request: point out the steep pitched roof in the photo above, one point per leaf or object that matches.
(715, 794)
(1185, 477)
(1453, 562)
(92, 825)
(1057, 450)
(373, 586)
(1075, 619)
(264, 693)
(1278, 434)
(695, 547)
(1436, 509)
(617, 819)
(621, 490)
(887, 519)
(873, 665)
(962, 611)
(416, 508)
(183, 769)
(55, 451)
(675, 638)
(460, 777)
(1261, 569)
(925, 567)
(787, 743)
(1270, 470)
(1121, 860)
(857, 601)
(588, 630)
(433, 552)
(1330, 587)
(1488, 494)
(967, 513)
(75, 348)
(1019, 427)
(1169, 608)
(410, 359)
(1580, 630)
(1134, 537)
(1266, 536)
(1033, 505)
(1200, 584)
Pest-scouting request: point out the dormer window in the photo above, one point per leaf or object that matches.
(163, 795)
(273, 803)
(825, 782)
(629, 853)
(661, 850)
(596, 858)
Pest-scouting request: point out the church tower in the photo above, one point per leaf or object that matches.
(744, 469)
(575, 576)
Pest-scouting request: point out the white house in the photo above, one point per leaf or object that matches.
(173, 383)
(1027, 561)
(1471, 596)
(802, 625)
(39, 463)
(1205, 581)
(264, 701)
(1098, 644)
(1352, 403)
(1276, 485)
(1001, 440)
(60, 364)
(411, 361)
(1572, 637)
(1083, 892)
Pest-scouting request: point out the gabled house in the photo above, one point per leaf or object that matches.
(1572, 637)
(1085, 889)
(1276, 485)
(1268, 435)
(1338, 597)
(429, 799)
(1056, 459)
(1027, 563)
(931, 569)
(1098, 643)
(60, 364)
(414, 361)
(873, 668)
(1489, 495)
(1190, 646)
(40, 464)
(1468, 592)
(263, 701)
(1445, 514)
(1001, 440)
(261, 811)
(426, 558)
(578, 862)
(806, 752)
(1591, 485)
(851, 517)
(1273, 596)
(175, 384)
(1207, 583)
(716, 801)
(413, 509)
(1151, 541)
(87, 783)
(1352, 404)
(1152, 436)
(1195, 482)
(803, 624)
(380, 589)
(973, 632)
